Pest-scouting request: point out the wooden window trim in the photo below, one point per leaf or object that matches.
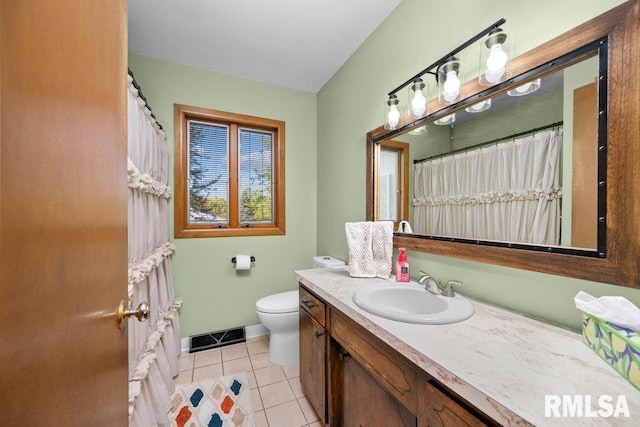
(182, 228)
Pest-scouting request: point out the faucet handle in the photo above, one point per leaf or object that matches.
(448, 289)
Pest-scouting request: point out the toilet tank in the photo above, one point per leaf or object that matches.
(323, 261)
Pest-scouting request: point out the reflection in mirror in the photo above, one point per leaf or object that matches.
(388, 185)
(519, 167)
(610, 41)
(392, 181)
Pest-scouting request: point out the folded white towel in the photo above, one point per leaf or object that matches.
(382, 239)
(370, 248)
(359, 235)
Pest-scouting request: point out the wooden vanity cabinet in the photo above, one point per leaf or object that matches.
(353, 378)
(371, 385)
(313, 351)
(358, 400)
(439, 409)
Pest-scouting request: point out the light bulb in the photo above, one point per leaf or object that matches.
(494, 76)
(451, 118)
(418, 103)
(393, 118)
(525, 89)
(497, 59)
(496, 63)
(479, 106)
(451, 87)
(418, 131)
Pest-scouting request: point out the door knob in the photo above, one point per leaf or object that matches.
(142, 313)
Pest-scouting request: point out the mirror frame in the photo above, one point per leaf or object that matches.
(621, 265)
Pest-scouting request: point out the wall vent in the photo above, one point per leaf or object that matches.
(216, 339)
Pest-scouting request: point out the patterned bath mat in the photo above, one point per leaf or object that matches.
(218, 402)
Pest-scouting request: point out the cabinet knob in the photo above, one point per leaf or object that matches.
(344, 356)
(319, 334)
(308, 304)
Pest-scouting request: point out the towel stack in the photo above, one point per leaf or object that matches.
(370, 248)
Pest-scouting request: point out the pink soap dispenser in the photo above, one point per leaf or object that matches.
(402, 266)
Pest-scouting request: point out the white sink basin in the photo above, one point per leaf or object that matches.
(411, 303)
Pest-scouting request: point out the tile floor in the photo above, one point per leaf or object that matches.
(277, 396)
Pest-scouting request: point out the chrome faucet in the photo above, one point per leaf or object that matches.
(435, 286)
(429, 283)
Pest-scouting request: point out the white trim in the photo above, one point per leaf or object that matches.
(255, 331)
(184, 345)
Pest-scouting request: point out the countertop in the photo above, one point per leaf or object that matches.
(501, 362)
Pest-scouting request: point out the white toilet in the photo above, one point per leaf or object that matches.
(279, 313)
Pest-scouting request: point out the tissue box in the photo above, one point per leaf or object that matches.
(618, 346)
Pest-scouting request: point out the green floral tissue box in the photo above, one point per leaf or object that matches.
(618, 346)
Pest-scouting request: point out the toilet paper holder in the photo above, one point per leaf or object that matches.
(233, 260)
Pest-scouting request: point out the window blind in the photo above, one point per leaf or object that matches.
(208, 173)
(255, 175)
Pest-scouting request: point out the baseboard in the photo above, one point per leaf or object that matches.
(250, 332)
(184, 345)
(255, 330)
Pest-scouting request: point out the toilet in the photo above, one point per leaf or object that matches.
(279, 314)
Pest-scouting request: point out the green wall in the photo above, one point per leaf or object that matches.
(325, 161)
(215, 296)
(417, 33)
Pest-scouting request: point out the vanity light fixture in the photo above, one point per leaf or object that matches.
(495, 54)
(392, 112)
(525, 89)
(446, 120)
(419, 130)
(447, 74)
(479, 107)
(418, 100)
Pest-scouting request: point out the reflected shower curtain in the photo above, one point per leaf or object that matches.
(154, 345)
(505, 192)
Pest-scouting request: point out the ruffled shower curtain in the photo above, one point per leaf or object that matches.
(505, 192)
(154, 345)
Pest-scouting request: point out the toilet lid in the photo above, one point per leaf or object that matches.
(284, 302)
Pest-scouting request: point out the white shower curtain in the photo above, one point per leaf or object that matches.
(154, 345)
(505, 192)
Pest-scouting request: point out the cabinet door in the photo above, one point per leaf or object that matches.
(361, 401)
(442, 411)
(312, 362)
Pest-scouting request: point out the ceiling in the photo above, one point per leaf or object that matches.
(297, 44)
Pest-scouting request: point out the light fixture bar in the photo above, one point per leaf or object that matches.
(450, 54)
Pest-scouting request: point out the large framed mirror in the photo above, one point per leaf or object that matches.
(542, 180)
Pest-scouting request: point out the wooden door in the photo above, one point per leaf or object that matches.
(63, 212)
(361, 401)
(584, 197)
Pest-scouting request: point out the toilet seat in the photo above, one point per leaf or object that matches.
(284, 302)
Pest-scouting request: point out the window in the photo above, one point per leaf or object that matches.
(389, 174)
(229, 174)
(388, 185)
